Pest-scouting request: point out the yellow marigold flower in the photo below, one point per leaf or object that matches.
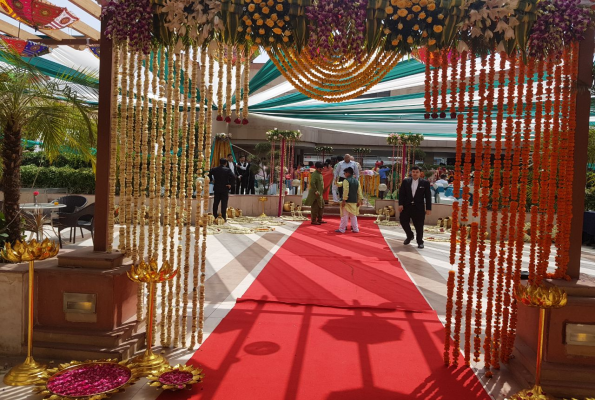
(279, 7)
(258, 1)
(248, 22)
(261, 31)
(424, 34)
(271, 3)
(402, 12)
(260, 22)
(409, 17)
(256, 16)
(278, 31)
(416, 27)
(285, 39)
(274, 17)
(270, 23)
(429, 20)
(240, 29)
(281, 24)
(271, 39)
(402, 3)
(422, 15)
(395, 16)
(394, 2)
(265, 10)
(400, 26)
(395, 42)
(440, 16)
(389, 10)
(399, 37)
(286, 18)
(248, 30)
(251, 7)
(431, 41)
(423, 3)
(437, 28)
(431, 6)
(416, 8)
(257, 40)
(287, 32)
(248, 37)
(410, 40)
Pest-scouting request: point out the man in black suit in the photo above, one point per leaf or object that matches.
(222, 179)
(235, 185)
(244, 169)
(412, 194)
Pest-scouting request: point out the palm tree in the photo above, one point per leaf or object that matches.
(50, 110)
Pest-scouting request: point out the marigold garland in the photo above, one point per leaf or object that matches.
(450, 286)
(435, 60)
(444, 76)
(122, 130)
(115, 124)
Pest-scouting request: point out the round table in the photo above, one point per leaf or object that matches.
(37, 211)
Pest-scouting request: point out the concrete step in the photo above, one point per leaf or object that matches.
(107, 339)
(70, 351)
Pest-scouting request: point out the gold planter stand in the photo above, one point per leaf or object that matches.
(262, 199)
(150, 363)
(30, 371)
(543, 298)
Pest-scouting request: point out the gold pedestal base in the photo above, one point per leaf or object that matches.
(27, 373)
(535, 393)
(149, 363)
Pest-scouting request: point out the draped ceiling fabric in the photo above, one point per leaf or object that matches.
(38, 14)
(401, 111)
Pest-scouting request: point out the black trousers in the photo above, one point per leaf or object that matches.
(220, 198)
(417, 213)
(234, 187)
(340, 189)
(247, 186)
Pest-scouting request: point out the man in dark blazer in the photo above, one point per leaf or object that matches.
(246, 176)
(415, 202)
(222, 179)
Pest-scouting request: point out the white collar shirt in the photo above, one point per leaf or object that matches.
(414, 184)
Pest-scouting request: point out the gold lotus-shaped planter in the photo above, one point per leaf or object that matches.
(32, 251)
(29, 371)
(541, 296)
(187, 375)
(149, 272)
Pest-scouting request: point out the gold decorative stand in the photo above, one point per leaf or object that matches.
(543, 298)
(262, 199)
(29, 372)
(150, 363)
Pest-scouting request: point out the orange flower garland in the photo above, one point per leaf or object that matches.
(435, 60)
(444, 65)
(428, 90)
(450, 285)
(470, 282)
(453, 89)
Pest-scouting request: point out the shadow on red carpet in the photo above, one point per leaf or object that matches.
(347, 324)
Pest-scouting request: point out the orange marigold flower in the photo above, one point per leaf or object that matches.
(402, 12)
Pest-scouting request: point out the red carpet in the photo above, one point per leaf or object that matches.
(270, 350)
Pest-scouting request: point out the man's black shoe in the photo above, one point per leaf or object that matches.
(420, 246)
(407, 241)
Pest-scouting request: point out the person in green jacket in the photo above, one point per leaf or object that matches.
(314, 199)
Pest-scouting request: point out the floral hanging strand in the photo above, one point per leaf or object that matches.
(246, 88)
(123, 129)
(238, 94)
(228, 77)
(115, 129)
(136, 166)
(220, 85)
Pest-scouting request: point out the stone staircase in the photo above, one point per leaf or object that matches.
(66, 344)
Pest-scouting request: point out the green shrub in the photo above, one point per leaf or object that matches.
(81, 181)
(39, 159)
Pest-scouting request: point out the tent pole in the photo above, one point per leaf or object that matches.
(281, 177)
(106, 75)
